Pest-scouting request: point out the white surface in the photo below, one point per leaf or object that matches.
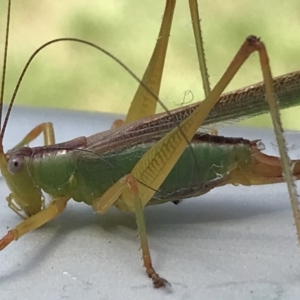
(233, 243)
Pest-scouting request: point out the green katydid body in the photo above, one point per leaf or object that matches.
(85, 176)
(83, 169)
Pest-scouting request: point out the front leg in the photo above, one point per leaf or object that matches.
(56, 207)
(44, 128)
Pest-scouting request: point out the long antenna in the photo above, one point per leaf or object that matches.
(132, 74)
(4, 64)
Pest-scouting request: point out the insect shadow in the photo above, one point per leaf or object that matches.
(202, 211)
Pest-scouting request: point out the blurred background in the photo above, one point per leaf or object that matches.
(73, 76)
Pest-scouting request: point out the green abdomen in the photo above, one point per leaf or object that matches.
(199, 166)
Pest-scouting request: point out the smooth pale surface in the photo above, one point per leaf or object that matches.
(233, 243)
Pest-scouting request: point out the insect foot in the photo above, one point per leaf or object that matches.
(7, 239)
(158, 281)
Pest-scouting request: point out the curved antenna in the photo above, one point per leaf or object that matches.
(78, 41)
(118, 61)
(4, 66)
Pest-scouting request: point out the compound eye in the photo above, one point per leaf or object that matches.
(15, 164)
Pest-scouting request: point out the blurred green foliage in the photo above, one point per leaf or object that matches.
(69, 75)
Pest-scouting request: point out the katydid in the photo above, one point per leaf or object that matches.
(149, 159)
